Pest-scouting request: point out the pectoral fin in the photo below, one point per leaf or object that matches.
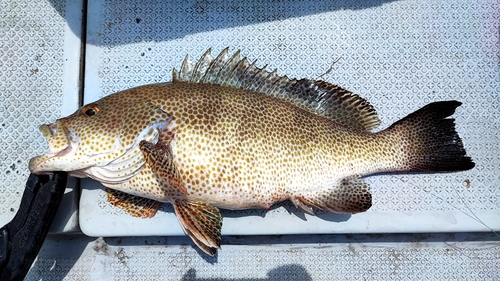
(159, 157)
(350, 196)
(134, 205)
(202, 222)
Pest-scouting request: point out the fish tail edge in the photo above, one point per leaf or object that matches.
(430, 140)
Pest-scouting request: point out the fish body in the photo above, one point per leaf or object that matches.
(226, 134)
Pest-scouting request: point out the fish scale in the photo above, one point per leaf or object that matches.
(227, 134)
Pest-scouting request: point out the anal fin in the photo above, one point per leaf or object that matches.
(202, 222)
(134, 205)
(350, 196)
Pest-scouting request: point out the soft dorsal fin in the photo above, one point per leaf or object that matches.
(322, 98)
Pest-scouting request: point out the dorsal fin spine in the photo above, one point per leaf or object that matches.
(228, 68)
(239, 72)
(185, 69)
(279, 85)
(263, 76)
(215, 67)
(248, 75)
(202, 66)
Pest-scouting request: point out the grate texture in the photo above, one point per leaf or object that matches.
(272, 258)
(39, 80)
(399, 55)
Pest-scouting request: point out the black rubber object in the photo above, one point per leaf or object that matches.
(22, 238)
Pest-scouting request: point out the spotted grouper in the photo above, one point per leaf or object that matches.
(227, 134)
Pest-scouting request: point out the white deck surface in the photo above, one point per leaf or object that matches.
(399, 55)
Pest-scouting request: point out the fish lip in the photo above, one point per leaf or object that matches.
(65, 151)
(51, 131)
(36, 164)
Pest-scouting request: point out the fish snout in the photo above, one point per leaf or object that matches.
(57, 136)
(49, 130)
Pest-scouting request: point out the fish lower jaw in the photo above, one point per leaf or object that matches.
(47, 163)
(60, 152)
(36, 165)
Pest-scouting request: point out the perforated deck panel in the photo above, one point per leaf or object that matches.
(39, 82)
(284, 258)
(399, 55)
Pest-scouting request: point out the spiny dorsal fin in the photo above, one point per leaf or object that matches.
(320, 97)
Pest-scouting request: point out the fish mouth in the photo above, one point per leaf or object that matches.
(61, 143)
(60, 139)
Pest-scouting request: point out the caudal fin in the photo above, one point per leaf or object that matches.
(430, 140)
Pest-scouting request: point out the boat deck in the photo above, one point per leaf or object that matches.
(399, 55)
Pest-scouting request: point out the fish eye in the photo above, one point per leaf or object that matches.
(90, 110)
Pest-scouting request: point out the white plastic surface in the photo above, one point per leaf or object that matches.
(39, 82)
(399, 55)
(292, 258)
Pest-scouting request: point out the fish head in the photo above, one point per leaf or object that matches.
(103, 134)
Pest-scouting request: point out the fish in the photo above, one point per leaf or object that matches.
(226, 134)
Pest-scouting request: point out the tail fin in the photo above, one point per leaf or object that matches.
(431, 142)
